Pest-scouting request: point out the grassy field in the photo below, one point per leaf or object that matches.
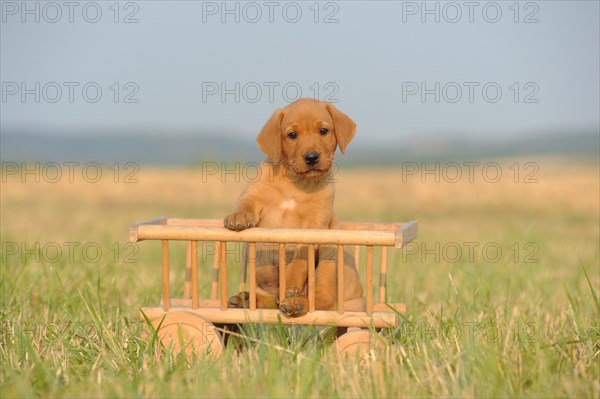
(502, 286)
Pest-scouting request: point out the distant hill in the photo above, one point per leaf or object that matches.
(187, 149)
(149, 149)
(462, 147)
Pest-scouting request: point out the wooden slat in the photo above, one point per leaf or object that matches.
(319, 317)
(311, 278)
(223, 274)
(252, 261)
(369, 272)
(282, 271)
(340, 279)
(357, 256)
(381, 226)
(165, 274)
(350, 306)
(194, 266)
(180, 229)
(259, 234)
(244, 271)
(215, 276)
(382, 275)
(188, 271)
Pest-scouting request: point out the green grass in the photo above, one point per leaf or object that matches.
(523, 324)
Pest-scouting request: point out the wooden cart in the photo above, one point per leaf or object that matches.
(192, 320)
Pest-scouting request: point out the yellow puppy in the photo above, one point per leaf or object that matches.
(296, 190)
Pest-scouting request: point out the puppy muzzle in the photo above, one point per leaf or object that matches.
(311, 158)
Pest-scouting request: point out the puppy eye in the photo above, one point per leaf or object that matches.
(292, 135)
(324, 131)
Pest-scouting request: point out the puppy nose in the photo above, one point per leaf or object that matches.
(311, 158)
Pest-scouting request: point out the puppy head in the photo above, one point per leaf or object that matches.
(303, 136)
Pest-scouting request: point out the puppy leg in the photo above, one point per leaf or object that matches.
(326, 285)
(244, 217)
(352, 287)
(295, 302)
(326, 294)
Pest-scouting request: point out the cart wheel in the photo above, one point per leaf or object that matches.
(198, 335)
(355, 342)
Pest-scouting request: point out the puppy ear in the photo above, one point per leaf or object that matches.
(269, 138)
(344, 127)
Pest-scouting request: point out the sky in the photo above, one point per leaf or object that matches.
(398, 68)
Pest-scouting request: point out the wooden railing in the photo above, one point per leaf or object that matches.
(369, 235)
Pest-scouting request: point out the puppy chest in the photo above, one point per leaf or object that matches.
(293, 212)
(288, 204)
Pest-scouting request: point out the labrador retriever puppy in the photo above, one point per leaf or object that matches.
(296, 190)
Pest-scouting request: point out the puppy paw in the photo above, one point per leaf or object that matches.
(238, 221)
(240, 300)
(294, 306)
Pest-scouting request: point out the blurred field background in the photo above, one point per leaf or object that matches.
(523, 322)
(502, 284)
